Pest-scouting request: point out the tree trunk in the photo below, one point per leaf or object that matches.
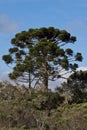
(29, 81)
(45, 82)
(45, 77)
(29, 85)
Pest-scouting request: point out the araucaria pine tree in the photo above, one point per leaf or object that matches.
(39, 54)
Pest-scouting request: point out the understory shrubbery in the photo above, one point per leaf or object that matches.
(22, 110)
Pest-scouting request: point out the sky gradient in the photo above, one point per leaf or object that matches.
(19, 15)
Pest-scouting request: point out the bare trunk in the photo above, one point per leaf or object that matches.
(29, 85)
(29, 81)
(45, 82)
(45, 77)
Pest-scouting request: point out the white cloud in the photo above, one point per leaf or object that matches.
(82, 68)
(4, 76)
(6, 25)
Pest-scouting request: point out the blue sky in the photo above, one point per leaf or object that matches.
(19, 15)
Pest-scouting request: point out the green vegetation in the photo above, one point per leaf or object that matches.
(40, 110)
(39, 55)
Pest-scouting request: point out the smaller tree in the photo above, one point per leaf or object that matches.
(77, 85)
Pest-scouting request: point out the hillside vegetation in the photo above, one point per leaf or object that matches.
(39, 111)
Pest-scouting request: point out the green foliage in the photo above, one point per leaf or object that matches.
(47, 101)
(23, 116)
(78, 57)
(76, 86)
(10, 92)
(40, 111)
(69, 51)
(8, 59)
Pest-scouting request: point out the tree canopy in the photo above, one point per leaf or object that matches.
(39, 55)
(76, 86)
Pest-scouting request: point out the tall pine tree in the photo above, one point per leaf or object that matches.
(39, 54)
